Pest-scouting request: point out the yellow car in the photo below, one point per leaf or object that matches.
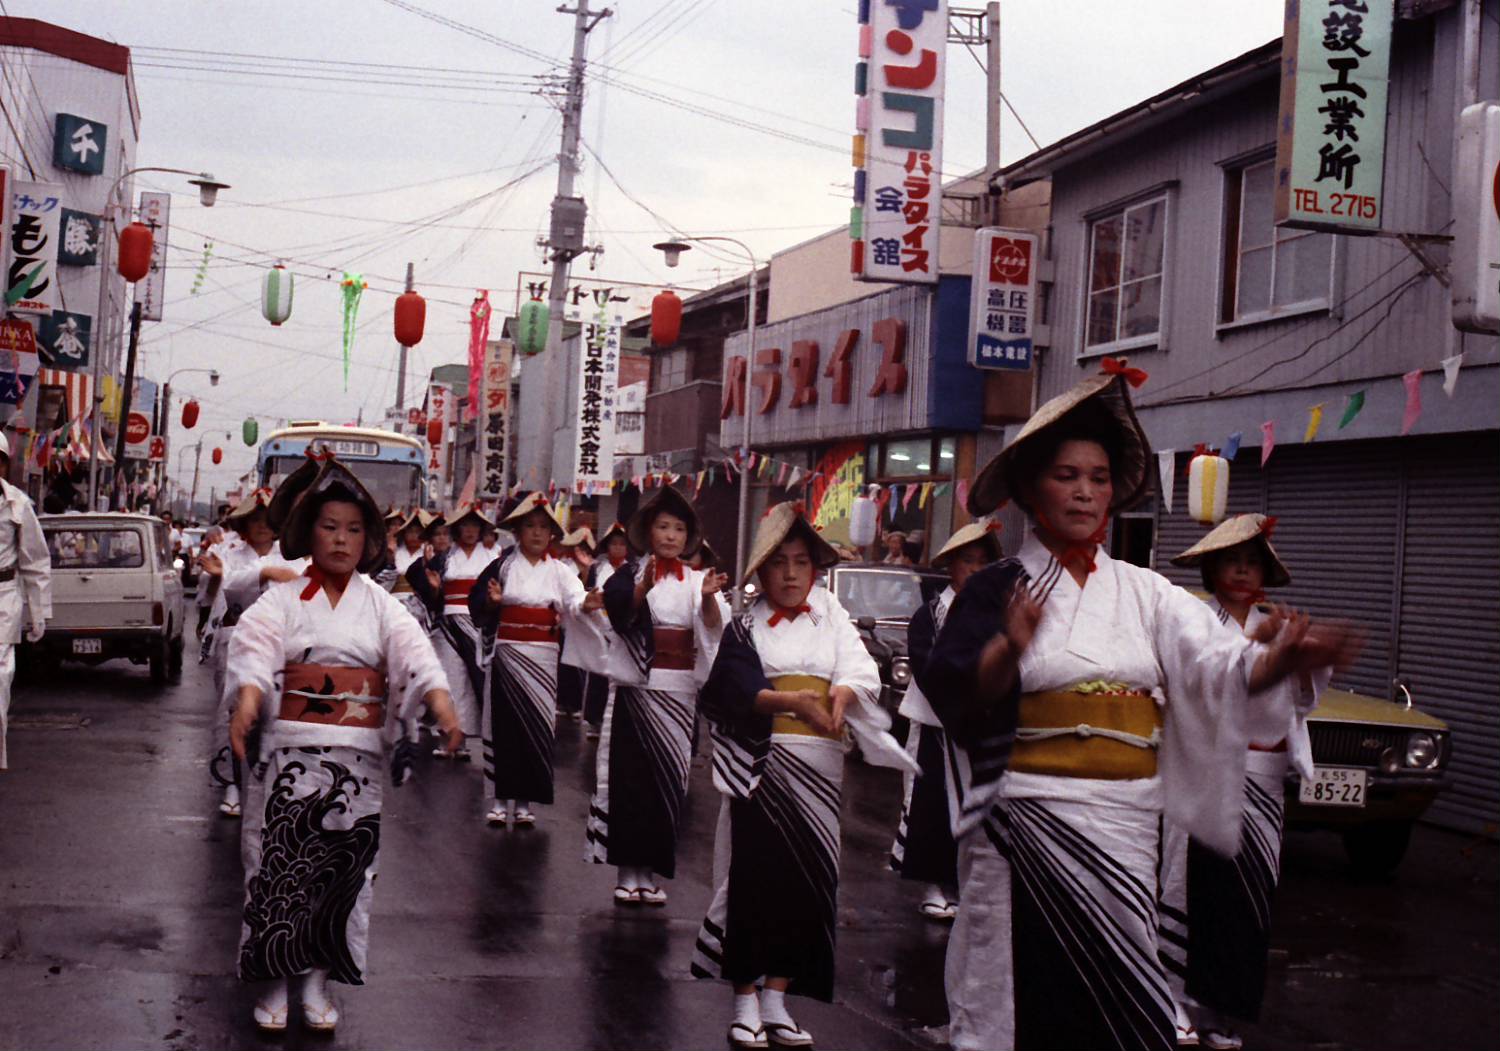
(1378, 766)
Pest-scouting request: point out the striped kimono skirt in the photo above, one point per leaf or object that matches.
(924, 849)
(224, 767)
(776, 870)
(460, 651)
(1216, 911)
(645, 748)
(521, 704)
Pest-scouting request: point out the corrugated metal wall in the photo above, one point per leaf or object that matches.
(1402, 537)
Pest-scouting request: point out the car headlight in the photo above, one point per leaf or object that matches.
(900, 671)
(1423, 750)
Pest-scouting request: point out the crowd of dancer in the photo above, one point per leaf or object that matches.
(1093, 765)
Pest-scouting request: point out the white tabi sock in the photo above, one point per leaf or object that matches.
(773, 1007)
(747, 1010)
(627, 878)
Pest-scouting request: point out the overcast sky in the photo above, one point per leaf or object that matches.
(367, 167)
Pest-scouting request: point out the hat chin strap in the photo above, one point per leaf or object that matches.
(1074, 552)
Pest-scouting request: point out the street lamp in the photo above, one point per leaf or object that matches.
(208, 193)
(166, 415)
(672, 251)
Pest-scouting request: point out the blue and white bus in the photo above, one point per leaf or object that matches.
(393, 467)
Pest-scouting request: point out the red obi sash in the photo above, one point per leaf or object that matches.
(527, 624)
(456, 592)
(333, 695)
(673, 648)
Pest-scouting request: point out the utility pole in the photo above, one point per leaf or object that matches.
(401, 375)
(992, 109)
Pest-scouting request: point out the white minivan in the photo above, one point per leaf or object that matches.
(115, 592)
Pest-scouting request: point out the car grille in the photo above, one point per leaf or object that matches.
(1350, 744)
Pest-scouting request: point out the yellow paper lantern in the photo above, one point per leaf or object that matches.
(1208, 488)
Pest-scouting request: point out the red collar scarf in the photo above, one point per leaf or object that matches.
(787, 613)
(1253, 596)
(614, 562)
(1080, 554)
(316, 578)
(668, 567)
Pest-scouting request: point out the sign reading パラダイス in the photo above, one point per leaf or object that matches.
(898, 140)
(1330, 142)
(1002, 303)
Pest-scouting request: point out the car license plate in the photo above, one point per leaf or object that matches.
(1334, 786)
(88, 646)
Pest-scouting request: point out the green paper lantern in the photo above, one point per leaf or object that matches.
(532, 335)
(250, 431)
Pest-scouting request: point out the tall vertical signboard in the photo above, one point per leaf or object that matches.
(1330, 141)
(598, 374)
(439, 410)
(1002, 303)
(1476, 211)
(494, 480)
(33, 235)
(150, 290)
(898, 140)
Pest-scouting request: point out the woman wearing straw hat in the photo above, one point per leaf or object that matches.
(924, 849)
(614, 552)
(667, 618)
(521, 598)
(404, 551)
(1125, 698)
(239, 570)
(447, 580)
(1215, 911)
(334, 670)
(791, 675)
(572, 676)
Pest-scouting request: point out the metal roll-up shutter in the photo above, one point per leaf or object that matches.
(1449, 632)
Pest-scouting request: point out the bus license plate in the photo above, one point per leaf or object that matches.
(1334, 786)
(88, 646)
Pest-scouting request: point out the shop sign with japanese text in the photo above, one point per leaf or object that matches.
(598, 375)
(78, 144)
(582, 296)
(1330, 142)
(439, 422)
(1002, 308)
(18, 359)
(63, 340)
(151, 290)
(35, 231)
(499, 355)
(898, 139)
(80, 238)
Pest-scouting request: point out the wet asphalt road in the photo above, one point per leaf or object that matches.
(120, 890)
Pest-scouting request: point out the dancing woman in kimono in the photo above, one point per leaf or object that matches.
(521, 598)
(612, 553)
(572, 676)
(924, 849)
(1216, 911)
(791, 675)
(667, 620)
(333, 670)
(1083, 697)
(445, 583)
(405, 552)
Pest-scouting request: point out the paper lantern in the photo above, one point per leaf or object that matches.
(862, 518)
(250, 431)
(190, 415)
(411, 316)
(276, 295)
(135, 252)
(217, 455)
(1208, 488)
(666, 319)
(531, 337)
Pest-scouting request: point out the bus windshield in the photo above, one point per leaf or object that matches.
(391, 484)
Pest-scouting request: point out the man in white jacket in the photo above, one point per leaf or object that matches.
(24, 563)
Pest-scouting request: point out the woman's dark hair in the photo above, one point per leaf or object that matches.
(1089, 422)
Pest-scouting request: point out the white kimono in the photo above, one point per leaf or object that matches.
(457, 641)
(23, 549)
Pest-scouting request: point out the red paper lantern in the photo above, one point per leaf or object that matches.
(135, 251)
(411, 315)
(190, 415)
(218, 456)
(666, 319)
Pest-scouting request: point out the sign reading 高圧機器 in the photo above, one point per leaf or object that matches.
(1330, 142)
(898, 140)
(1002, 304)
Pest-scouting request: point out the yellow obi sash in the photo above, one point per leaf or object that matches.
(1108, 736)
(784, 723)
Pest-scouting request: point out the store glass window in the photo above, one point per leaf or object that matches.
(910, 457)
(1127, 256)
(1268, 269)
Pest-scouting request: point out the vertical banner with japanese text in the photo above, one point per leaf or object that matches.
(898, 140)
(1330, 142)
(1002, 303)
(150, 290)
(35, 230)
(494, 478)
(439, 409)
(598, 374)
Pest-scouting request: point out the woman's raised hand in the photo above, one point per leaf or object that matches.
(494, 592)
(593, 600)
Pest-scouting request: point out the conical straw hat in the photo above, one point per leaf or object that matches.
(1232, 532)
(333, 481)
(668, 499)
(779, 524)
(1107, 396)
(529, 503)
(986, 533)
(582, 536)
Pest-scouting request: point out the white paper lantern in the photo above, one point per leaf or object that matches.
(862, 516)
(1208, 488)
(276, 295)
